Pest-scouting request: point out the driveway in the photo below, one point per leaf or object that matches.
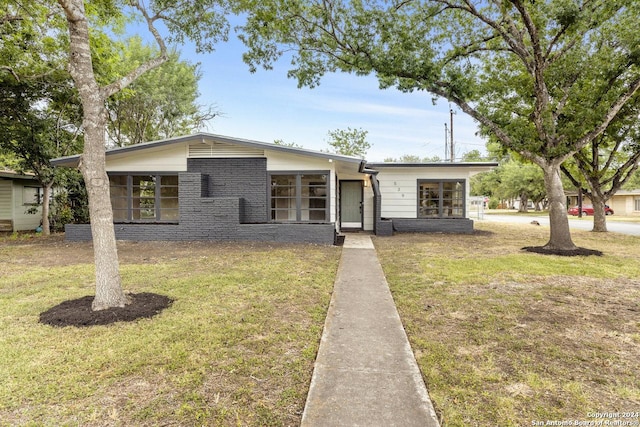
(586, 223)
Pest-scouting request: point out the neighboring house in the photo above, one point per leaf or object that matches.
(211, 187)
(19, 193)
(624, 202)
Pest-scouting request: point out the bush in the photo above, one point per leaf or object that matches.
(69, 204)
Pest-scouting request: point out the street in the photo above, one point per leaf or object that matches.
(575, 223)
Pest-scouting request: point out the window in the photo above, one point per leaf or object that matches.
(299, 197)
(636, 204)
(144, 198)
(31, 196)
(441, 199)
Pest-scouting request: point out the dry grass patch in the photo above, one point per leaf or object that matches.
(505, 337)
(236, 347)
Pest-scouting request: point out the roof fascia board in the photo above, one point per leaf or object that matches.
(73, 160)
(432, 165)
(16, 175)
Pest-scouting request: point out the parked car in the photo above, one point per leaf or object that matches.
(588, 210)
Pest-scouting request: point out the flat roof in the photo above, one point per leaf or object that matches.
(431, 165)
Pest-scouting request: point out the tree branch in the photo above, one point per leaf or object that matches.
(11, 71)
(125, 81)
(442, 89)
(512, 38)
(611, 114)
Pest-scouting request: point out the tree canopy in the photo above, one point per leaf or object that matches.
(39, 111)
(413, 158)
(349, 142)
(162, 103)
(545, 78)
(512, 179)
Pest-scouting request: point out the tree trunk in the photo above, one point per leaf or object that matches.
(108, 282)
(46, 194)
(524, 203)
(599, 215)
(560, 236)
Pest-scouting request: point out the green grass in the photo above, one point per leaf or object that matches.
(504, 337)
(235, 348)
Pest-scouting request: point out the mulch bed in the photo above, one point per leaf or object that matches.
(575, 252)
(78, 312)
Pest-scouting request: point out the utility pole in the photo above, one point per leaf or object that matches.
(453, 151)
(446, 142)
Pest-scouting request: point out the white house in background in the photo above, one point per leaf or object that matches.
(213, 187)
(19, 193)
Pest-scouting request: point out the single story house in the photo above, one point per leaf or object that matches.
(212, 187)
(624, 202)
(19, 194)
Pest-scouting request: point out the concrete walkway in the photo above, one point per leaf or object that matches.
(365, 373)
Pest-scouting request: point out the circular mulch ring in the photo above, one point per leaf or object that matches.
(78, 312)
(574, 252)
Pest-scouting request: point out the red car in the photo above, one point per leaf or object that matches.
(588, 210)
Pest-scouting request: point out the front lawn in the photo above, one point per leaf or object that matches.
(506, 337)
(236, 347)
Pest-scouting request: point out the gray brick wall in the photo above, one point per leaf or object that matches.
(321, 234)
(432, 225)
(217, 218)
(240, 177)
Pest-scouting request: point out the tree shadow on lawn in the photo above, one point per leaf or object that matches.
(78, 312)
(574, 252)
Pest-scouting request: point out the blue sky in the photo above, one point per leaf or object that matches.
(266, 106)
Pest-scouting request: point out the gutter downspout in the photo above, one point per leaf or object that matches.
(377, 197)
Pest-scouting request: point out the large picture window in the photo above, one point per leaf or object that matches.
(441, 199)
(299, 197)
(144, 198)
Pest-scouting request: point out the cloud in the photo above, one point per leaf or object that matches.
(368, 108)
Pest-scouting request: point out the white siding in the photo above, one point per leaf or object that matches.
(277, 160)
(368, 207)
(399, 187)
(5, 199)
(172, 158)
(21, 219)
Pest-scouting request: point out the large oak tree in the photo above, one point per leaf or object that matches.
(544, 77)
